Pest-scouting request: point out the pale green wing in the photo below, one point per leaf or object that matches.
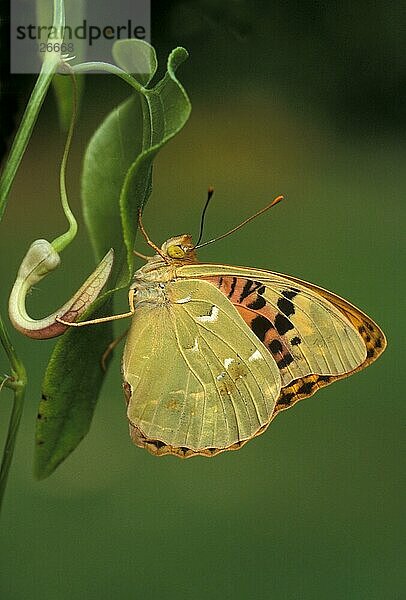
(198, 377)
(307, 329)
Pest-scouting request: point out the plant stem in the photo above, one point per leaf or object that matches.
(13, 426)
(29, 119)
(108, 68)
(18, 383)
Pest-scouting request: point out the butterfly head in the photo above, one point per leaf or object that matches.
(179, 248)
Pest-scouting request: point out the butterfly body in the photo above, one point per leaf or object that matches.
(215, 352)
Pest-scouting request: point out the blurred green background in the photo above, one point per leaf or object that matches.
(299, 98)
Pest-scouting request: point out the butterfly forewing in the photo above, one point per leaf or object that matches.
(314, 336)
(221, 383)
(305, 333)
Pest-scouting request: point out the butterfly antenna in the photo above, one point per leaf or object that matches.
(147, 239)
(260, 212)
(210, 193)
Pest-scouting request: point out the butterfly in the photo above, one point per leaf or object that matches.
(215, 352)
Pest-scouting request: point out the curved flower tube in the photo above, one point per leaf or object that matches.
(40, 260)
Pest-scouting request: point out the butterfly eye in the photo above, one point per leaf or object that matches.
(176, 252)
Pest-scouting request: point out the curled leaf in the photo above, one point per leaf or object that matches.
(136, 57)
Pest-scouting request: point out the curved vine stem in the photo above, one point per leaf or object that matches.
(65, 239)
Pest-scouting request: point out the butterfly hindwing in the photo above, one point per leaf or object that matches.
(221, 383)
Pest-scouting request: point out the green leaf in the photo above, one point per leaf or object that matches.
(170, 108)
(108, 158)
(117, 171)
(70, 391)
(136, 57)
(116, 181)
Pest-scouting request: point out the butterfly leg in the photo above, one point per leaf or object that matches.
(103, 319)
(143, 256)
(110, 348)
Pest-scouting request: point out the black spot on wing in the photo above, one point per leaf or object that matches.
(285, 358)
(289, 294)
(258, 303)
(295, 341)
(282, 324)
(249, 287)
(286, 306)
(275, 346)
(285, 361)
(306, 388)
(286, 398)
(260, 325)
(232, 287)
